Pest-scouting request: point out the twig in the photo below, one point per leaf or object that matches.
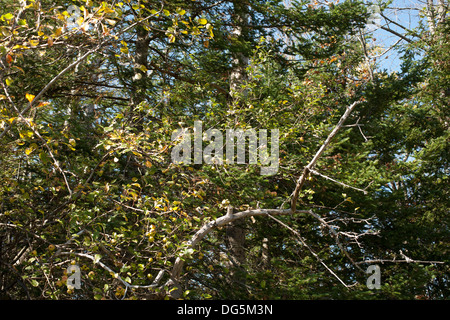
(300, 238)
(36, 132)
(69, 67)
(399, 261)
(336, 181)
(307, 169)
(154, 284)
(219, 222)
(336, 236)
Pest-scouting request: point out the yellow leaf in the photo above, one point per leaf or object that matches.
(26, 133)
(19, 46)
(29, 97)
(43, 104)
(7, 16)
(30, 149)
(143, 68)
(148, 164)
(202, 21)
(34, 43)
(58, 32)
(8, 81)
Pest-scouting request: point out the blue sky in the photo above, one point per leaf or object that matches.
(405, 13)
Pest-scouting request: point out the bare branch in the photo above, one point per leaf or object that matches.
(338, 182)
(68, 68)
(396, 33)
(36, 132)
(227, 218)
(219, 222)
(154, 284)
(307, 169)
(398, 261)
(302, 241)
(335, 234)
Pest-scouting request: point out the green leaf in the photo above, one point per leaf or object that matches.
(97, 258)
(263, 284)
(7, 16)
(34, 283)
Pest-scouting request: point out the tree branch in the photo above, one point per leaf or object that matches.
(68, 68)
(127, 285)
(219, 222)
(338, 182)
(307, 169)
(302, 241)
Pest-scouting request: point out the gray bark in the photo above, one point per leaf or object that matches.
(235, 234)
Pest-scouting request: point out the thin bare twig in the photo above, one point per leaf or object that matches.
(300, 238)
(69, 67)
(398, 261)
(336, 181)
(307, 169)
(36, 132)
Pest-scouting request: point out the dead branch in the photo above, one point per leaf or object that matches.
(309, 166)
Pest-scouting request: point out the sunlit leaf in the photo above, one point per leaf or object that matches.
(29, 97)
(7, 16)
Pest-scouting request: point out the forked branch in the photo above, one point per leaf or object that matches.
(310, 166)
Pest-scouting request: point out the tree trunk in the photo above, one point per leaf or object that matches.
(240, 59)
(236, 251)
(139, 77)
(235, 231)
(430, 16)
